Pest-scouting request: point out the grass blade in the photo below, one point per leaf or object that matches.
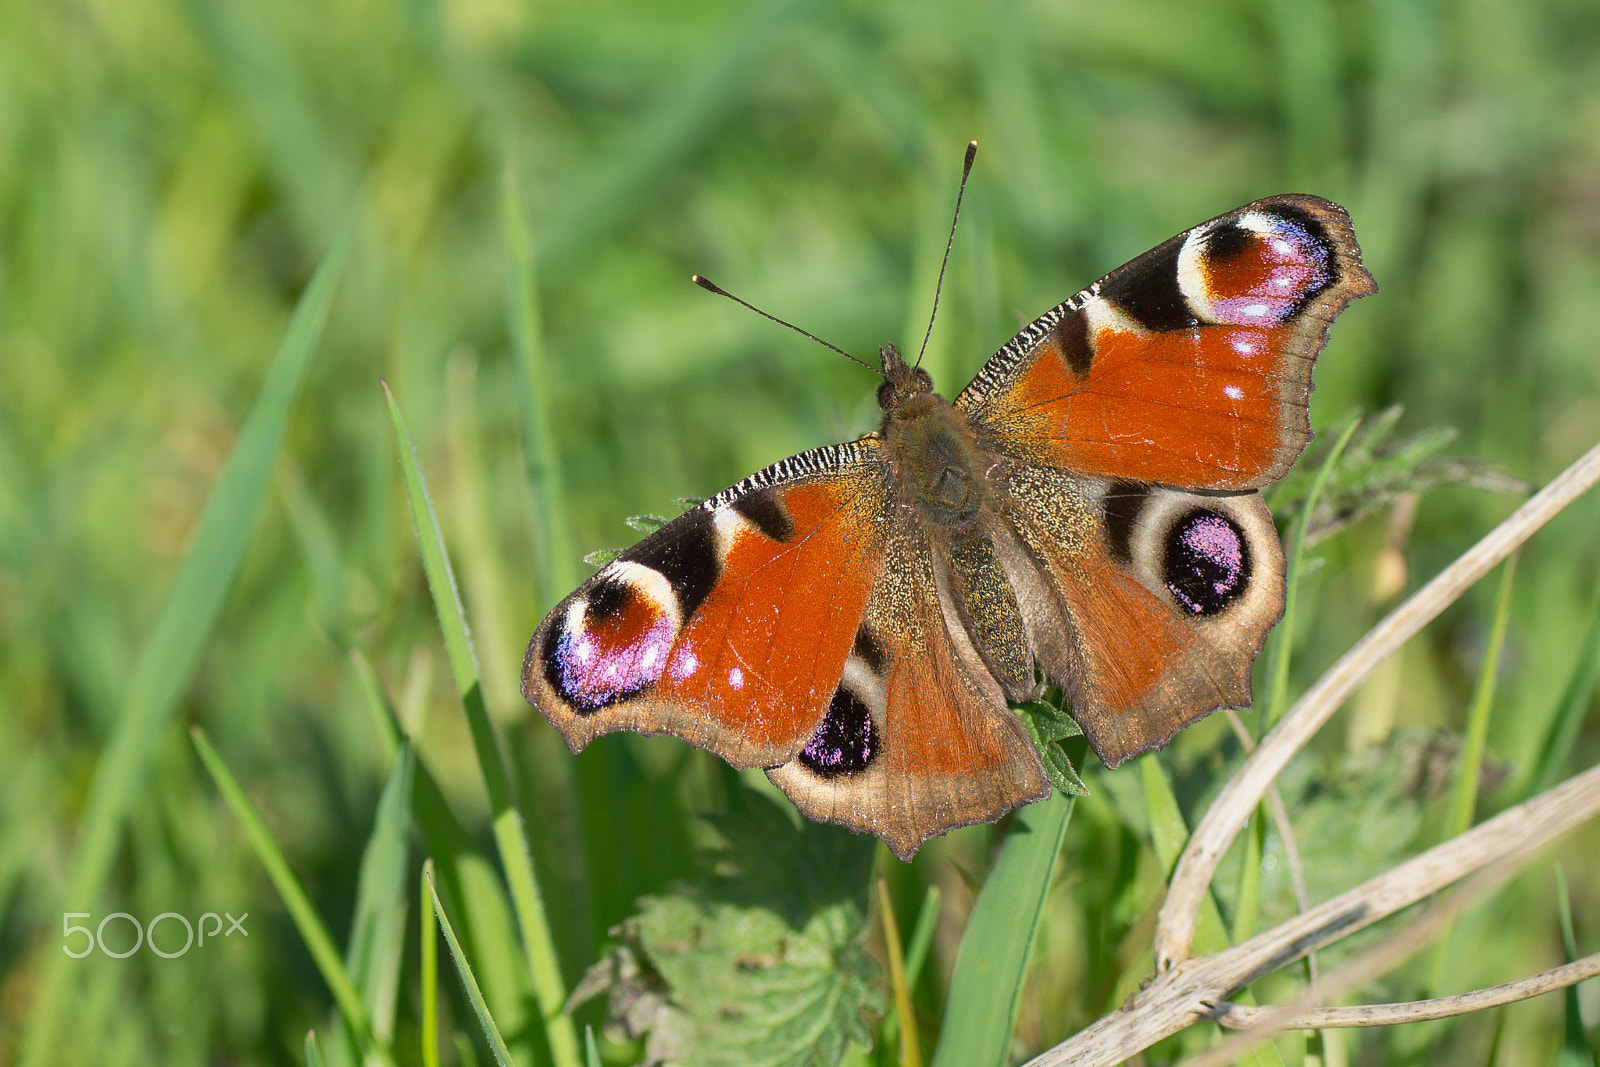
(1574, 703)
(313, 1053)
(428, 957)
(910, 1054)
(1464, 797)
(304, 915)
(469, 984)
(1464, 794)
(922, 936)
(377, 931)
(510, 838)
(1168, 834)
(1283, 638)
(916, 954)
(540, 458)
(986, 985)
(1575, 1051)
(168, 659)
(467, 880)
(1249, 888)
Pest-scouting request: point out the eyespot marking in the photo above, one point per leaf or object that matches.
(1206, 564)
(1258, 269)
(847, 740)
(613, 643)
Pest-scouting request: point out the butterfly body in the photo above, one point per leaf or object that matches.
(854, 618)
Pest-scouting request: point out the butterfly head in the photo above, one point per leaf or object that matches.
(901, 381)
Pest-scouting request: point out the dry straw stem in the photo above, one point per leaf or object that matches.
(1175, 926)
(1189, 991)
(1367, 967)
(1242, 1016)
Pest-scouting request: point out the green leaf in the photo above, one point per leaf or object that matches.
(986, 985)
(761, 961)
(646, 524)
(313, 1053)
(1048, 726)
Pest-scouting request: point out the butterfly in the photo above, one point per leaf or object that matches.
(853, 619)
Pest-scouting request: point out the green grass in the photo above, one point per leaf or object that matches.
(206, 520)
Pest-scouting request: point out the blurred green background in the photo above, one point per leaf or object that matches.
(171, 171)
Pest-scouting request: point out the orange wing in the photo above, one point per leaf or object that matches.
(729, 626)
(1189, 366)
(1147, 604)
(918, 739)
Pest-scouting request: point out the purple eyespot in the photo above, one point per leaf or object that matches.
(846, 741)
(1207, 562)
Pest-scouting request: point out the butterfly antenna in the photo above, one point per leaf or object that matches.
(966, 169)
(711, 286)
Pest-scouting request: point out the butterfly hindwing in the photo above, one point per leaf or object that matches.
(918, 739)
(1147, 604)
(1189, 366)
(729, 626)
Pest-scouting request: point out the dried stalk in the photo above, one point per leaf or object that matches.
(1175, 925)
(1366, 967)
(1186, 992)
(1242, 1016)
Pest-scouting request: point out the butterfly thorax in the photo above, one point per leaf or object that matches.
(934, 458)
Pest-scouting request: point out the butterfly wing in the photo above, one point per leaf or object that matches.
(785, 623)
(917, 739)
(1191, 365)
(729, 626)
(1135, 421)
(1147, 604)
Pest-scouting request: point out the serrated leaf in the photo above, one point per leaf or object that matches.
(761, 961)
(646, 524)
(601, 556)
(1375, 469)
(1048, 726)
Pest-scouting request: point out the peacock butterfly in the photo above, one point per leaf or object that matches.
(854, 618)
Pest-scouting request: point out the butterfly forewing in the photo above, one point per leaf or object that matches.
(1189, 366)
(728, 626)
